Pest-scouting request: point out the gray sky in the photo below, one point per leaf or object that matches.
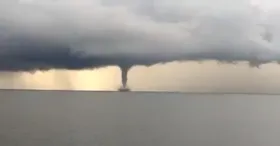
(37, 34)
(71, 34)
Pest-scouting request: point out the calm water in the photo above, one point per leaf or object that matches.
(48, 118)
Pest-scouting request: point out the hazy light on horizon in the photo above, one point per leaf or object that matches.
(188, 76)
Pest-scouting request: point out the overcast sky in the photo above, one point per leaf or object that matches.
(71, 34)
(38, 34)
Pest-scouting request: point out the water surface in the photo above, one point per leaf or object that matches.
(65, 118)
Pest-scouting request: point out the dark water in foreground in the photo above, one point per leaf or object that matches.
(53, 118)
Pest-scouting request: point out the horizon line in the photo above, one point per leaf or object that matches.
(141, 91)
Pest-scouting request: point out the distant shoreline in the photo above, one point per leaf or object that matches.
(140, 92)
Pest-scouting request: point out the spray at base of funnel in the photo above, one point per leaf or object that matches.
(124, 71)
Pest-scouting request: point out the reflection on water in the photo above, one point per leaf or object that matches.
(189, 76)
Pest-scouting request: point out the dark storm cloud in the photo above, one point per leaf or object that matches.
(70, 34)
